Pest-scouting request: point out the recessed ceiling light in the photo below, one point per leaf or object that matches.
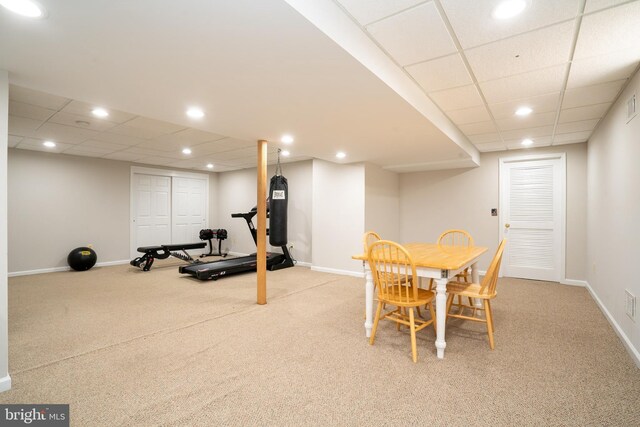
(285, 153)
(27, 8)
(186, 151)
(49, 144)
(286, 139)
(509, 8)
(523, 111)
(527, 142)
(195, 113)
(100, 112)
(209, 165)
(340, 155)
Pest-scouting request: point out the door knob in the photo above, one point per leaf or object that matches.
(507, 225)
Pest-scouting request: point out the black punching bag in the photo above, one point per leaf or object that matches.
(278, 195)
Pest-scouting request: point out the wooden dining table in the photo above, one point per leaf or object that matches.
(432, 261)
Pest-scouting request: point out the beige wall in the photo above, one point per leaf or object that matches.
(614, 212)
(237, 193)
(58, 202)
(382, 202)
(5, 379)
(431, 202)
(338, 215)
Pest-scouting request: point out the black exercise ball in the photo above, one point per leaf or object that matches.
(81, 259)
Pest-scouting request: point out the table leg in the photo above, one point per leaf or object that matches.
(368, 323)
(441, 313)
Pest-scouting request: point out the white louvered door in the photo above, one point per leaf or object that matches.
(532, 199)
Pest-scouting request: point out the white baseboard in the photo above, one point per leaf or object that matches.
(635, 355)
(359, 274)
(573, 282)
(66, 268)
(5, 383)
(303, 264)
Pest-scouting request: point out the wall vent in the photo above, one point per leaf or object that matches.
(631, 108)
(630, 305)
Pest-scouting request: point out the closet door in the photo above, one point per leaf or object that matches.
(151, 210)
(188, 209)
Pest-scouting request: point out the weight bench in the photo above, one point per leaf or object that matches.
(151, 253)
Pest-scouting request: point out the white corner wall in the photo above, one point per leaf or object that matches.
(382, 202)
(434, 201)
(613, 219)
(237, 193)
(5, 379)
(58, 202)
(338, 216)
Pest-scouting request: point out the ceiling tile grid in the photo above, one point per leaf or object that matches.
(566, 64)
(36, 117)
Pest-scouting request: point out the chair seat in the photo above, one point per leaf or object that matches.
(473, 290)
(400, 300)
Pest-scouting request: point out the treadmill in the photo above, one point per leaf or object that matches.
(216, 269)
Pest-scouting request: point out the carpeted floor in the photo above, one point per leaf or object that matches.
(124, 347)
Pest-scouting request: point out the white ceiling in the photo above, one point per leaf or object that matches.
(260, 69)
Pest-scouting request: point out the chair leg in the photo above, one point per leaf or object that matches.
(433, 317)
(418, 310)
(402, 313)
(375, 323)
(493, 325)
(487, 309)
(414, 351)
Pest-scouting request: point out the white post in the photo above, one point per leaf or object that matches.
(5, 379)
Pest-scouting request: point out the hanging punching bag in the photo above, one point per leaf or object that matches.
(278, 198)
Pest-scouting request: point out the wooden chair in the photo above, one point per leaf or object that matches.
(393, 271)
(456, 238)
(485, 291)
(369, 238)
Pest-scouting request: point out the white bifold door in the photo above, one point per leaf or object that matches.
(167, 210)
(532, 206)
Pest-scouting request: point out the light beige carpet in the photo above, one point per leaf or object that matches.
(125, 347)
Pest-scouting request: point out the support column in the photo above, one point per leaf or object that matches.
(5, 379)
(262, 222)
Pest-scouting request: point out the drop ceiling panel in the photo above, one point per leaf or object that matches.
(23, 126)
(366, 11)
(478, 128)
(164, 146)
(415, 35)
(526, 52)
(81, 150)
(115, 138)
(35, 144)
(583, 125)
(157, 160)
(225, 144)
(442, 73)
(190, 136)
(596, 111)
(84, 109)
(524, 85)
(136, 132)
(609, 30)
(458, 98)
(121, 155)
(491, 146)
(153, 125)
(474, 25)
(143, 151)
(539, 104)
(589, 95)
(594, 5)
(14, 140)
(62, 133)
(469, 115)
(520, 134)
(34, 97)
(570, 138)
(537, 142)
(603, 68)
(485, 138)
(105, 145)
(81, 122)
(20, 109)
(530, 121)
